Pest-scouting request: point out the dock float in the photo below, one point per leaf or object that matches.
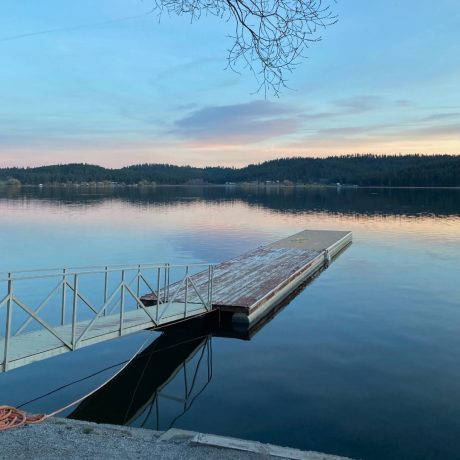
(252, 284)
(45, 313)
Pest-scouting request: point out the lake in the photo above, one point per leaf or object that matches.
(364, 362)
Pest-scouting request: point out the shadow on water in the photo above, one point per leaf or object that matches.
(366, 201)
(174, 369)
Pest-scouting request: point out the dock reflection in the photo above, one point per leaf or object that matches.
(172, 372)
(161, 384)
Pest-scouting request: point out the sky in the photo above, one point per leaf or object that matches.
(106, 82)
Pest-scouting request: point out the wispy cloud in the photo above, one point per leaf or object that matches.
(338, 108)
(193, 65)
(441, 116)
(239, 123)
(450, 130)
(359, 104)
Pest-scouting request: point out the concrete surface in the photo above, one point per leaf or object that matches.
(71, 439)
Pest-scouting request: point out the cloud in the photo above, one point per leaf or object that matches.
(183, 68)
(404, 103)
(355, 105)
(351, 131)
(441, 116)
(250, 122)
(451, 130)
(358, 104)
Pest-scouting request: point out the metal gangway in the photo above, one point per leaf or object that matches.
(44, 313)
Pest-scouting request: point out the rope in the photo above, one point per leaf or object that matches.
(11, 417)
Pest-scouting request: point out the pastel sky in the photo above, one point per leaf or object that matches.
(103, 82)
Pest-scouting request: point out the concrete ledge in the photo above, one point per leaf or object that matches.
(269, 450)
(72, 439)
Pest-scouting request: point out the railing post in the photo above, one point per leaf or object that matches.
(158, 292)
(164, 284)
(9, 315)
(212, 286)
(106, 287)
(168, 280)
(186, 290)
(63, 296)
(122, 300)
(138, 292)
(74, 310)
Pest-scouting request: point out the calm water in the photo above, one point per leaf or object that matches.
(365, 362)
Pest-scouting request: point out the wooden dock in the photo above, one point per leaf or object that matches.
(248, 287)
(253, 283)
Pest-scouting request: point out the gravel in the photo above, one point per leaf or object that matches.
(71, 439)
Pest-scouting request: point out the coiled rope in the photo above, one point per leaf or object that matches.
(11, 417)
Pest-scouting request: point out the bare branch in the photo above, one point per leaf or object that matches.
(270, 36)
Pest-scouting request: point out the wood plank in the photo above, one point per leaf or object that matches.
(240, 283)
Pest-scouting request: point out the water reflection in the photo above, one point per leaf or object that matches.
(410, 202)
(377, 335)
(173, 370)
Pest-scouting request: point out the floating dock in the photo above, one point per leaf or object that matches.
(248, 287)
(252, 284)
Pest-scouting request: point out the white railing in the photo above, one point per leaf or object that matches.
(69, 303)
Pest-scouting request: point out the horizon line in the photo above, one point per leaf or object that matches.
(343, 156)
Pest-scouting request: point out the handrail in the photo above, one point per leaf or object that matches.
(97, 270)
(66, 322)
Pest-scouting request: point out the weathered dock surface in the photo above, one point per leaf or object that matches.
(258, 280)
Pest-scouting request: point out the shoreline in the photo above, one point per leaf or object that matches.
(74, 439)
(239, 185)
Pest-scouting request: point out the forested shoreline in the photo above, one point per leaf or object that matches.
(360, 170)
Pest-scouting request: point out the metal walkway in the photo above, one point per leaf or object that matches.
(50, 312)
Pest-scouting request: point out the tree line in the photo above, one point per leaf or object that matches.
(361, 170)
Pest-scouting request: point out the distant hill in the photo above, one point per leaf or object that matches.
(362, 170)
